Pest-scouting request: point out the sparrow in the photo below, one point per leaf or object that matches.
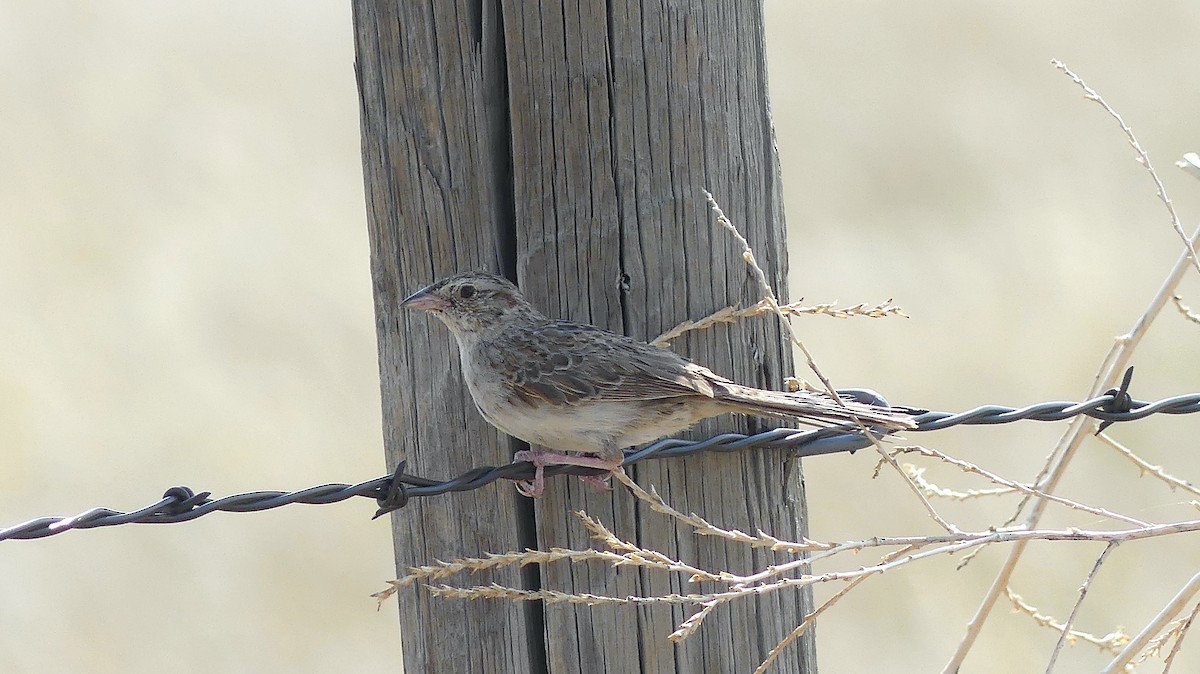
(589, 393)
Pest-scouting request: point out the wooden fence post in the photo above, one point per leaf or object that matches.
(566, 145)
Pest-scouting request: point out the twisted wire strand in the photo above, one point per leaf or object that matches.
(391, 492)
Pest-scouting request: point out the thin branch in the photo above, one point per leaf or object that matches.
(1083, 590)
(886, 457)
(704, 528)
(945, 544)
(640, 556)
(1142, 158)
(732, 314)
(1180, 634)
(496, 591)
(1114, 362)
(1109, 642)
(812, 617)
(769, 293)
(1147, 468)
(1168, 612)
(689, 626)
(966, 466)
(917, 473)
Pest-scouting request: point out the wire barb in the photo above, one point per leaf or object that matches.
(394, 495)
(1121, 400)
(185, 499)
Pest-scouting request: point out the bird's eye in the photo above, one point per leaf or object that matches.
(466, 292)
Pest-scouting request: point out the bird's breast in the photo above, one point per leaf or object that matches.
(600, 427)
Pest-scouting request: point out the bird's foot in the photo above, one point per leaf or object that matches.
(540, 459)
(600, 482)
(533, 488)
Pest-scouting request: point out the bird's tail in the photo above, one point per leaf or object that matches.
(811, 407)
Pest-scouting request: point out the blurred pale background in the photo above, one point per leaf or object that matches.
(185, 299)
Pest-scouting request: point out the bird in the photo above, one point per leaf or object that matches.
(587, 393)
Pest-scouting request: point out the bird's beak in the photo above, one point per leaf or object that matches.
(425, 300)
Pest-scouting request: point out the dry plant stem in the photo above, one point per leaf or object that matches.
(1017, 486)
(1017, 534)
(689, 626)
(946, 544)
(953, 543)
(1112, 642)
(765, 285)
(1187, 625)
(1168, 612)
(1083, 590)
(732, 314)
(916, 489)
(440, 570)
(1155, 646)
(642, 557)
(496, 591)
(1185, 309)
(1142, 158)
(704, 528)
(917, 473)
(624, 553)
(1146, 468)
(812, 617)
(768, 291)
(1114, 362)
(748, 256)
(910, 544)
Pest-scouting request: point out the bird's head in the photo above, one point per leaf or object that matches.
(471, 302)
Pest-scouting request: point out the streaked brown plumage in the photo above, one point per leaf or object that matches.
(577, 388)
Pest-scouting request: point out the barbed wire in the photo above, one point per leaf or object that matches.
(392, 492)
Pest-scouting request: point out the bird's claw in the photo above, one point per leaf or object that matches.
(529, 489)
(532, 488)
(600, 482)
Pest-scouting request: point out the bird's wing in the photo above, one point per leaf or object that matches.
(560, 362)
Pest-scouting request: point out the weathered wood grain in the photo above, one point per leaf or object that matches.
(568, 143)
(435, 164)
